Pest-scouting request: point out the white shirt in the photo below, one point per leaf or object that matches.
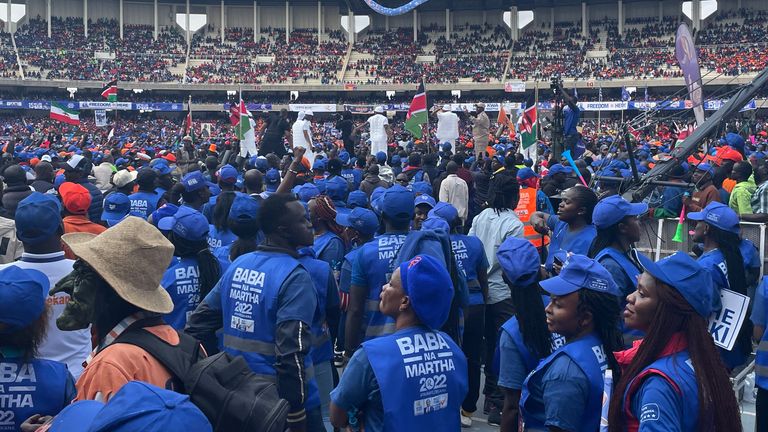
(69, 347)
(454, 191)
(447, 127)
(492, 229)
(377, 123)
(299, 140)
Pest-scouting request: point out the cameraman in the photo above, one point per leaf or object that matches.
(571, 114)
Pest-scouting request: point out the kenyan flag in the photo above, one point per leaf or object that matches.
(529, 125)
(417, 113)
(109, 92)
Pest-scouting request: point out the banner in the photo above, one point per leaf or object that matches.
(312, 107)
(604, 106)
(100, 118)
(517, 86)
(686, 54)
(724, 326)
(122, 106)
(86, 105)
(252, 107)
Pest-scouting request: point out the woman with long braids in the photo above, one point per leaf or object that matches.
(524, 339)
(618, 229)
(565, 390)
(672, 380)
(194, 270)
(718, 229)
(329, 246)
(571, 230)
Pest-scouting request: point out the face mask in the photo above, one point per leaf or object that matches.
(82, 285)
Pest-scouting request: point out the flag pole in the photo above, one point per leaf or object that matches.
(189, 109)
(536, 138)
(425, 126)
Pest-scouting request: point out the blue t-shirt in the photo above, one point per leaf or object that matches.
(562, 239)
(714, 262)
(358, 390)
(217, 239)
(513, 373)
(570, 119)
(657, 406)
(559, 396)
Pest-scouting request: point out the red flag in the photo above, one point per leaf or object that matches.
(234, 114)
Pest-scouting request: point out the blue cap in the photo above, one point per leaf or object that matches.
(580, 272)
(706, 168)
(244, 208)
(470, 160)
(397, 203)
(213, 188)
(307, 191)
(428, 285)
(421, 187)
(22, 296)
(38, 217)
(161, 167)
(193, 181)
(163, 212)
(262, 164)
(360, 219)
(272, 180)
(718, 215)
(337, 188)
(357, 198)
(227, 174)
(735, 140)
(558, 168)
(424, 199)
(519, 260)
(381, 157)
(435, 223)
(526, 173)
(344, 157)
(117, 205)
(320, 164)
(121, 161)
(136, 406)
(377, 193)
(396, 160)
(688, 277)
(611, 210)
(446, 147)
(187, 223)
(444, 211)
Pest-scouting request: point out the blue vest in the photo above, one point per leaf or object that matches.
(321, 244)
(588, 353)
(182, 281)
(144, 203)
(632, 271)
(419, 176)
(422, 377)
(468, 251)
(378, 256)
(761, 358)
(353, 177)
(217, 239)
(677, 369)
(320, 272)
(35, 387)
(249, 303)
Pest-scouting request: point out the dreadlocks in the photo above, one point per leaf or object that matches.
(324, 212)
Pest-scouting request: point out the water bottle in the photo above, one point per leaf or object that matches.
(750, 392)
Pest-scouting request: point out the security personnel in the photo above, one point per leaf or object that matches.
(267, 303)
(146, 200)
(372, 268)
(659, 389)
(414, 379)
(37, 386)
(532, 199)
(566, 389)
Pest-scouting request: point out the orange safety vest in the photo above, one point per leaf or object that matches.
(525, 208)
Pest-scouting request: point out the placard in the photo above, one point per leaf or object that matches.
(724, 325)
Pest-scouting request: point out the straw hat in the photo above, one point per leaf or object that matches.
(131, 257)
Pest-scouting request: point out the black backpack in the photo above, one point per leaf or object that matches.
(225, 389)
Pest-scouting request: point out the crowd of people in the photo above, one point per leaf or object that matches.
(382, 282)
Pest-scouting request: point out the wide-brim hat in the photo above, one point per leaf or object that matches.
(131, 257)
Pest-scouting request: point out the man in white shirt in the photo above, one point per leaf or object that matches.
(454, 190)
(302, 134)
(447, 127)
(381, 132)
(39, 227)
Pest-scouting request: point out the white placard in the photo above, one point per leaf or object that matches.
(724, 325)
(312, 107)
(100, 118)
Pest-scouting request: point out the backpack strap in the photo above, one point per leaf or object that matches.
(178, 359)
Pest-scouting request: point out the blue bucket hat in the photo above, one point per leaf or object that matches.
(445, 211)
(718, 215)
(690, 279)
(519, 261)
(38, 217)
(581, 272)
(611, 210)
(22, 296)
(244, 208)
(359, 219)
(117, 205)
(187, 223)
(397, 203)
(428, 285)
(357, 198)
(136, 406)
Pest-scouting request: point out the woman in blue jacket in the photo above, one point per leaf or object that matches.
(565, 390)
(673, 380)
